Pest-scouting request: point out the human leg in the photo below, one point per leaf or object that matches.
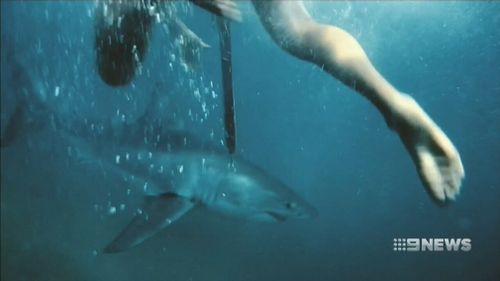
(337, 52)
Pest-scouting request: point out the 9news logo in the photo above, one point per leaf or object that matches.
(432, 244)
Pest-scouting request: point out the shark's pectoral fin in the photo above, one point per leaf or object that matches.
(157, 213)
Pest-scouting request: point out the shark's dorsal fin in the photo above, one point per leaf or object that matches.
(157, 213)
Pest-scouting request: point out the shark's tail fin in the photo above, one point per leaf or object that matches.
(13, 127)
(27, 109)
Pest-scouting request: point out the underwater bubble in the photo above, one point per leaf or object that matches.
(112, 210)
(39, 49)
(197, 94)
(185, 67)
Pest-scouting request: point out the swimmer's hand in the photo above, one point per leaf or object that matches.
(225, 8)
(188, 43)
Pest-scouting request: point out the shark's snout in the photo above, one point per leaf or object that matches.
(310, 212)
(295, 208)
(307, 211)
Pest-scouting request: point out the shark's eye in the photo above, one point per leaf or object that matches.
(290, 205)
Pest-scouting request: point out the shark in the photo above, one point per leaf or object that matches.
(179, 172)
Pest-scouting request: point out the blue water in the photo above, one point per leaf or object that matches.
(326, 142)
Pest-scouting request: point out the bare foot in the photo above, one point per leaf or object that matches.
(226, 8)
(437, 160)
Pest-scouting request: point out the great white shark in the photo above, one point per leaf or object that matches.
(178, 171)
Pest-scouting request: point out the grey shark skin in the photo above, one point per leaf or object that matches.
(178, 172)
(181, 179)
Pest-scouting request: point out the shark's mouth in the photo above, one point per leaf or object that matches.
(276, 216)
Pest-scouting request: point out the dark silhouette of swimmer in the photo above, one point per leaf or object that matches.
(123, 29)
